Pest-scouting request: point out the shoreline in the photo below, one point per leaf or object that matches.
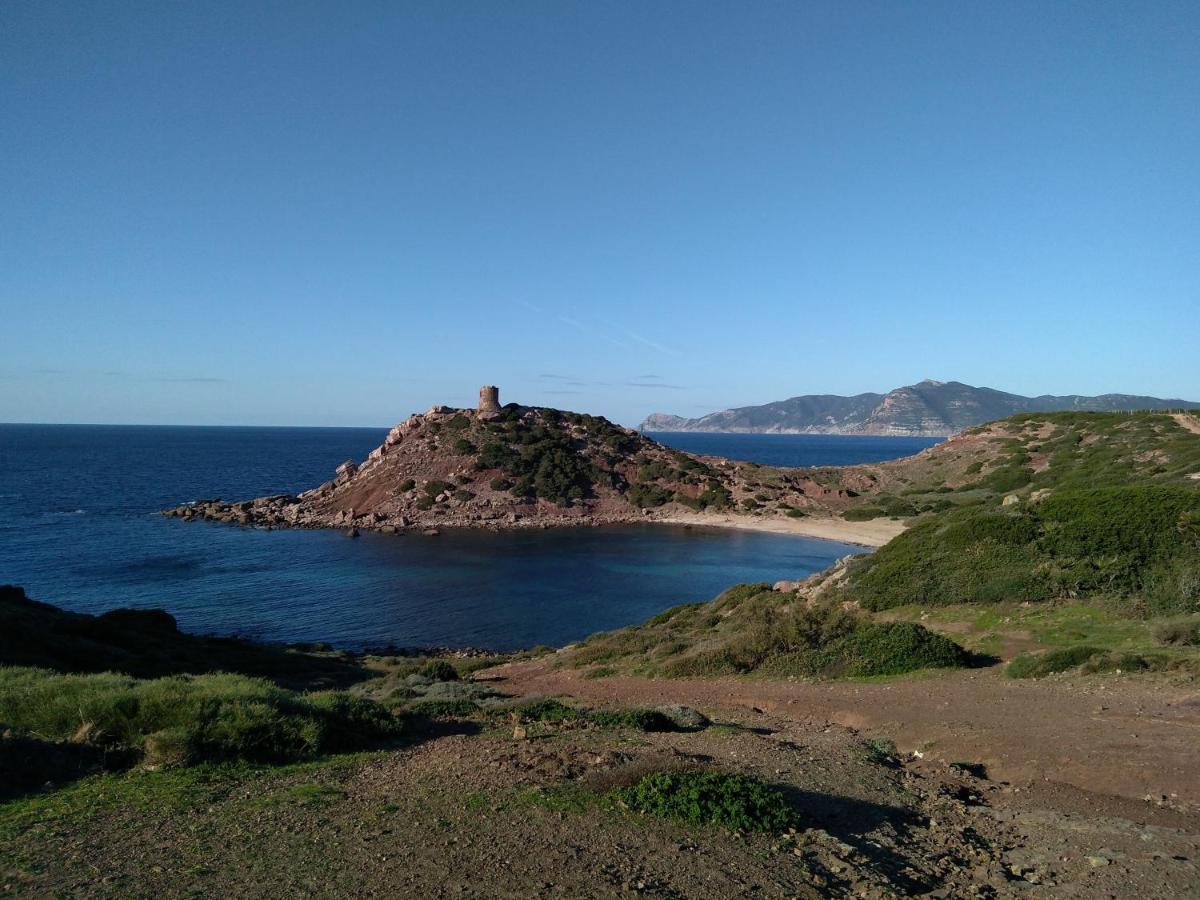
(871, 533)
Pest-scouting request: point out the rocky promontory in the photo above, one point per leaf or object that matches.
(516, 466)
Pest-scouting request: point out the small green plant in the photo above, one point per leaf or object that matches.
(439, 670)
(463, 447)
(882, 751)
(407, 485)
(726, 800)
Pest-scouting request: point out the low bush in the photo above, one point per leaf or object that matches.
(190, 719)
(892, 648)
(1036, 666)
(726, 800)
(646, 495)
(635, 718)
(438, 670)
(445, 709)
(551, 710)
(863, 513)
(436, 486)
(1178, 634)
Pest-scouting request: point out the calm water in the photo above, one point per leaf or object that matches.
(797, 449)
(79, 528)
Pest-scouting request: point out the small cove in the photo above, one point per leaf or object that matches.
(79, 528)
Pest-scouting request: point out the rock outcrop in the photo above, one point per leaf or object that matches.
(511, 466)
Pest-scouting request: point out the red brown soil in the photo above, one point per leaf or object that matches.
(1127, 738)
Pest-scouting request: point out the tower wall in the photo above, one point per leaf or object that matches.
(489, 399)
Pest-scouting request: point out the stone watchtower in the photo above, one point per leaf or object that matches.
(489, 400)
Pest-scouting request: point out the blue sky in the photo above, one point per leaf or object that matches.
(330, 213)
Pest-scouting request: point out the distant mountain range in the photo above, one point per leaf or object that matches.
(928, 409)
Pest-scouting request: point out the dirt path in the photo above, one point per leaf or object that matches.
(1128, 737)
(871, 533)
(1188, 421)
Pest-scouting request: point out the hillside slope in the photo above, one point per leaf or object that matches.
(931, 408)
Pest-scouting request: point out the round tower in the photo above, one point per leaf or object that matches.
(489, 400)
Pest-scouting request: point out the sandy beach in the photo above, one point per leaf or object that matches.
(871, 533)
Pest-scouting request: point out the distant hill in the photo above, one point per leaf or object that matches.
(931, 408)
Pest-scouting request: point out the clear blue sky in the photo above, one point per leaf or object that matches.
(339, 213)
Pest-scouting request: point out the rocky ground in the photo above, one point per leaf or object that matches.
(476, 807)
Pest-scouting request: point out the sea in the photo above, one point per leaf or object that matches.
(80, 528)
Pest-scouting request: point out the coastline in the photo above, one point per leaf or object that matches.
(870, 533)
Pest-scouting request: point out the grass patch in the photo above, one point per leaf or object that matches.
(1053, 661)
(445, 709)
(185, 720)
(751, 629)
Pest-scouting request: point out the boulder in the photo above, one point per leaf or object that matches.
(684, 717)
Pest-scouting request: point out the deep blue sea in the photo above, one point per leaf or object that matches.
(79, 527)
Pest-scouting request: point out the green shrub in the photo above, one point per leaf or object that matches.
(436, 486)
(655, 470)
(646, 496)
(445, 709)
(1178, 634)
(500, 483)
(636, 718)
(407, 485)
(463, 495)
(892, 648)
(463, 447)
(551, 710)
(795, 513)
(1008, 478)
(191, 719)
(495, 455)
(726, 800)
(863, 513)
(1035, 666)
(439, 670)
